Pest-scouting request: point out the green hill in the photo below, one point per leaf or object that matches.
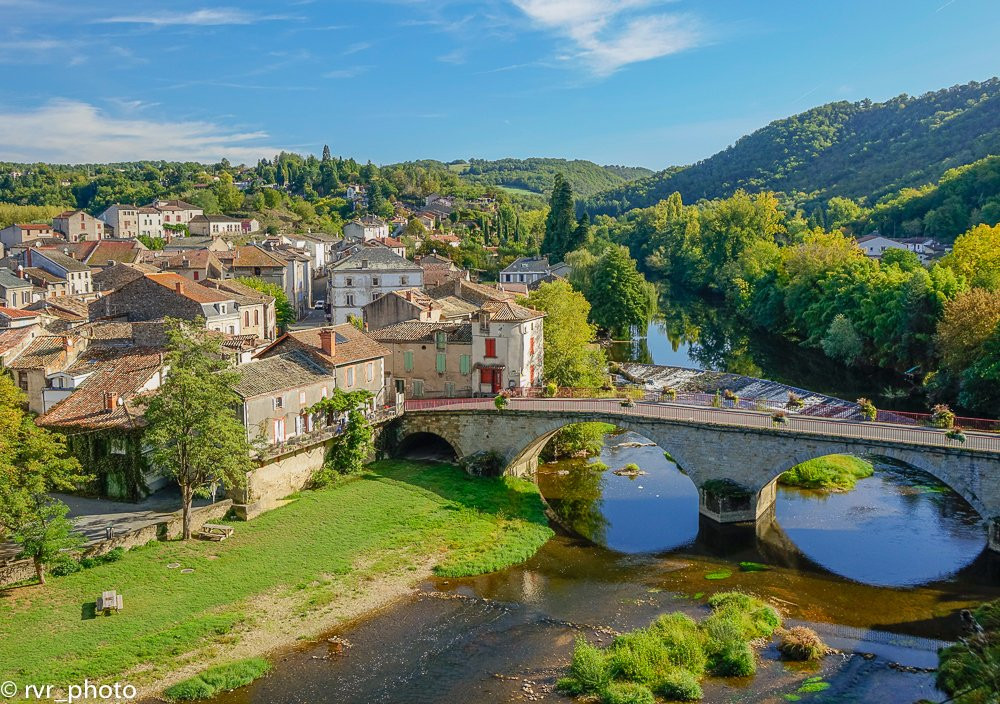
(535, 175)
(857, 150)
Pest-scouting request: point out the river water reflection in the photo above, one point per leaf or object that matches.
(697, 335)
(897, 528)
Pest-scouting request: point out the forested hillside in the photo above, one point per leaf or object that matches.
(537, 174)
(861, 150)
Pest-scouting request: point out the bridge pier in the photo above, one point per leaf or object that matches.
(723, 502)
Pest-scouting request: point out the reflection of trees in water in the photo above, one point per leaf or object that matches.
(576, 497)
(719, 340)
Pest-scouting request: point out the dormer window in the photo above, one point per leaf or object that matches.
(222, 308)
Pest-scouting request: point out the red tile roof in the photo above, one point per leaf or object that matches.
(189, 289)
(15, 313)
(121, 373)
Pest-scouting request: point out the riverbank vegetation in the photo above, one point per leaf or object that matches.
(292, 572)
(669, 657)
(969, 671)
(577, 440)
(829, 473)
(218, 679)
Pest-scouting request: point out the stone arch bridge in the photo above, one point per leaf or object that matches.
(734, 457)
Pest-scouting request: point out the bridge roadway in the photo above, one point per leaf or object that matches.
(734, 456)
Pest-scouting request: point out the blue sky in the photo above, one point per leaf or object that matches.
(641, 82)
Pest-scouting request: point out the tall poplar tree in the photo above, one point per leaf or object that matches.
(560, 225)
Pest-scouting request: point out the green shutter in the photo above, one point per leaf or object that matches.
(464, 363)
(441, 363)
(408, 360)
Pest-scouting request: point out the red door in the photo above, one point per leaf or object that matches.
(496, 380)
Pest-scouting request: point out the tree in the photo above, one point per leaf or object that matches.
(192, 427)
(842, 341)
(571, 358)
(968, 321)
(560, 224)
(326, 152)
(48, 533)
(33, 462)
(283, 310)
(976, 256)
(620, 297)
(980, 383)
(354, 446)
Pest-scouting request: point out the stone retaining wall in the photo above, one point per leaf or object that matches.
(167, 529)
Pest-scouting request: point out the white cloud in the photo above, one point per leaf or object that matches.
(67, 131)
(205, 17)
(609, 34)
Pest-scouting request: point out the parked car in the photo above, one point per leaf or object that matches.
(320, 304)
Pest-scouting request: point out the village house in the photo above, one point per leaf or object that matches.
(258, 309)
(318, 245)
(392, 243)
(162, 295)
(500, 349)
(121, 220)
(76, 274)
(46, 286)
(24, 235)
(288, 269)
(340, 356)
(18, 329)
(15, 290)
(399, 306)
(46, 355)
(197, 265)
(62, 313)
(180, 243)
(177, 212)
(98, 254)
(438, 270)
(92, 401)
(367, 228)
(525, 270)
(213, 225)
(77, 225)
(150, 222)
(365, 275)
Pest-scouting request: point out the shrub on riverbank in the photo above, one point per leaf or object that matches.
(801, 643)
(673, 653)
(577, 440)
(831, 473)
(222, 678)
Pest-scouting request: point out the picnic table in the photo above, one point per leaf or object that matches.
(215, 531)
(110, 601)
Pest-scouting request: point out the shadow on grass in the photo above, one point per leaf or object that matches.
(507, 497)
(88, 611)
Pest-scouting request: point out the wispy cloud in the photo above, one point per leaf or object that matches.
(205, 17)
(349, 72)
(609, 34)
(456, 57)
(68, 131)
(355, 48)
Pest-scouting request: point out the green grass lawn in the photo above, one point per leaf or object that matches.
(832, 473)
(396, 517)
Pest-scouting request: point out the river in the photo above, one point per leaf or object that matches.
(880, 572)
(698, 335)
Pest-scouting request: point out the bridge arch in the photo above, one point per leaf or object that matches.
(963, 483)
(745, 450)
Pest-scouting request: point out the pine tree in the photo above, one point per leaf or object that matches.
(560, 223)
(326, 152)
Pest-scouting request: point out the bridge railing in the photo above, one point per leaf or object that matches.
(848, 411)
(732, 416)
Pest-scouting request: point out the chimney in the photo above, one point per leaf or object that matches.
(328, 342)
(67, 343)
(110, 401)
(179, 287)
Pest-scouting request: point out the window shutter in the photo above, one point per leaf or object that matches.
(408, 360)
(464, 363)
(441, 362)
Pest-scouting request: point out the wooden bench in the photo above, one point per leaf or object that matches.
(110, 601)
(214, 531)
